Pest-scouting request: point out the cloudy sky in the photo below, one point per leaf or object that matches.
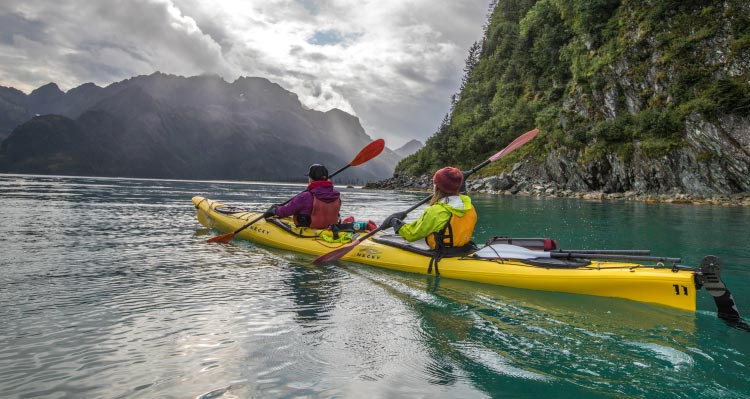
(392, 63)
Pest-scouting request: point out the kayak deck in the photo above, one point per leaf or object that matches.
(674, 287)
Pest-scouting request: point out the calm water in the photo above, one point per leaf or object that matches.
(109, 290)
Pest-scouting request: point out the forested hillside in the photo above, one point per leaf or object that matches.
(649, 96)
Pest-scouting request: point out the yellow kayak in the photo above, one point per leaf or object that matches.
(668, 285)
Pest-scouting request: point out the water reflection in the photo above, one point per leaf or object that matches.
(314, 290)
(494, 335)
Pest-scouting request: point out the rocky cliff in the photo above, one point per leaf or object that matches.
(645, 97)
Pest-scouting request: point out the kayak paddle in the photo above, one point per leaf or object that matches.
(367, 153)
(340, 252)
(509, 251)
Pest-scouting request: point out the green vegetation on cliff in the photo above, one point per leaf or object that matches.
(596, 76)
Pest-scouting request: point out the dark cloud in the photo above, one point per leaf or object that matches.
(17, 25)
(411, 72)
(315, 57)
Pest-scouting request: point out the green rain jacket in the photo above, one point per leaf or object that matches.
(435, 217)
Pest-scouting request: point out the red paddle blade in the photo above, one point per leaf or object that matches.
(369, 152)
(519, 141)
(224, 238)
(337, 253)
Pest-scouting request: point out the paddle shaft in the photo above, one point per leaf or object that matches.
(606, 251)
(510, 251)
(568, 255)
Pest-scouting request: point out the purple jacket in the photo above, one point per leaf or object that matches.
(302, 204)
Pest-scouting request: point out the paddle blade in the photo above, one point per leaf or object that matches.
(224, 238)
(521, 140)
(337, 253)
(369, 152)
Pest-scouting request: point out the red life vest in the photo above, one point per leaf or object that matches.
(324, 213)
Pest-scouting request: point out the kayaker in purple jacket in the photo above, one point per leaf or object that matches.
(318, 207)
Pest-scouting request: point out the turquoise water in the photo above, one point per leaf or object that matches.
(109, 290)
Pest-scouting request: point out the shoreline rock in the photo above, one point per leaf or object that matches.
(506, 185)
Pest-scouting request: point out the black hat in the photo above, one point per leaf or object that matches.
(318, 172)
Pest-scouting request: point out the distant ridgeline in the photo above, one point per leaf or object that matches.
(163, 126)
(644, 96)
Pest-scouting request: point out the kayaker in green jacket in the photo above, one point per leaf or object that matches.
(449, 219)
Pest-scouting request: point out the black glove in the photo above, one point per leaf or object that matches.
(392, 221)
(399, 215)
(396, 224)
(271, 212)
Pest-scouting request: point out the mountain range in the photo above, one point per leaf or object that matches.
(166, 126)
(409, 148)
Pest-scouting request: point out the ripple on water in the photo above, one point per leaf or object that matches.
(675, 358)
